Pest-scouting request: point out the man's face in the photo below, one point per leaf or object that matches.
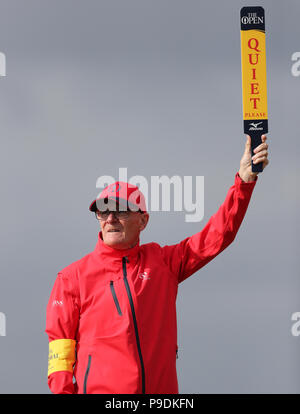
(122, 231)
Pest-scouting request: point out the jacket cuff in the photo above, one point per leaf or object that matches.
(241, 182)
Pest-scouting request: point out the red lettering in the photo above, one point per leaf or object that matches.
(255, 46)
(254, 102)
(254, 115)
(251, 60)
(254, 88)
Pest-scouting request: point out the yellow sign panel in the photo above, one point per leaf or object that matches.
(254, 74)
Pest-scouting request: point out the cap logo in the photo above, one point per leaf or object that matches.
(115, 188)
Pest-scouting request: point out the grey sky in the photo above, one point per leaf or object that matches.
(154, 86)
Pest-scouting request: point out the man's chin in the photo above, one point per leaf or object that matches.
(115, 241)
(118, 242)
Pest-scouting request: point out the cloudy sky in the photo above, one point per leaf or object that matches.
(154, 87)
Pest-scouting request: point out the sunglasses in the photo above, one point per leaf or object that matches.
(120, 215)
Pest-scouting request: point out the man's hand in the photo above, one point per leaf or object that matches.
(260, 155)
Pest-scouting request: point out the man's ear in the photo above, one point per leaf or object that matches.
(144, 220)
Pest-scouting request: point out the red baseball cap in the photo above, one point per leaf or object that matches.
(123, 194)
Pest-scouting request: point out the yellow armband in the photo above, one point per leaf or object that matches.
(61, 355)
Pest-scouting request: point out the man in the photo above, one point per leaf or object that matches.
(111, 317)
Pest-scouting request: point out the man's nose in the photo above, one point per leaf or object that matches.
(111, 218)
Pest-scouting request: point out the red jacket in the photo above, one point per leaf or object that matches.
(111, 317)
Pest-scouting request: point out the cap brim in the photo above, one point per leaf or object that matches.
(111, 204)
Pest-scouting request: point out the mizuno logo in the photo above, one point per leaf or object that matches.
(255, 125)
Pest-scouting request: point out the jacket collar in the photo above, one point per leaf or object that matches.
(103, 249)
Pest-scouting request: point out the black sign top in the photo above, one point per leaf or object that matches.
(253, 18)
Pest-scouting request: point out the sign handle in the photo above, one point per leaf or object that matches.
(255, 141)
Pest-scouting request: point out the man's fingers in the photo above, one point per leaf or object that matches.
(265, 162)
(247, 151)
(260, 147)
(260, 159)
(248, 144)
(263, 153)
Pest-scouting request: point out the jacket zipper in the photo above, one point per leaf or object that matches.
(87, 374)
(124, 260)
(113, 292)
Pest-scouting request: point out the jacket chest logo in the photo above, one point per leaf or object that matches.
(144, 276)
